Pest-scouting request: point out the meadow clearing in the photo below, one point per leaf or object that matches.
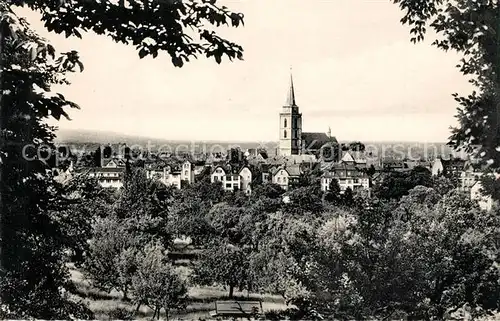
(110, 305)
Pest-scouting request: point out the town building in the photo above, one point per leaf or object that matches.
(172, 175)
(442, 166)
(284, 176)
(348, 175)
(469, 176)
(232, 178)
(108, 177)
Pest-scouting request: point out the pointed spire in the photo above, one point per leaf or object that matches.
(290, 99)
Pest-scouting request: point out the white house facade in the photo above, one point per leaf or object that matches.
(108, 177)
(232, 181)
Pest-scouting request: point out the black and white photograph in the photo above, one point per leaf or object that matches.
(223, 160)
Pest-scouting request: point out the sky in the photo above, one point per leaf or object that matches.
(354, 70)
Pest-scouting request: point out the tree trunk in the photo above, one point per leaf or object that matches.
(498, 65)
(137, 309)
(231, 291)
(166, 311)
(496, 69)
(78, 256)
(2, 120)
(125, 296)
(158, 314)
(154, 314)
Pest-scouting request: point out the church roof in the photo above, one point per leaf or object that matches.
(315, 141)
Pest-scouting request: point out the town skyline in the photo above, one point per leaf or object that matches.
(378, 89)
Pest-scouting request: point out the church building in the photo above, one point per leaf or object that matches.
(292, 141)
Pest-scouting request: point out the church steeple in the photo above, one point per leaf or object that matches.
(290, 99)
(290, 125)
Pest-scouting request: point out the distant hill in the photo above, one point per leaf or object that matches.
(98, 137)
(91, 139)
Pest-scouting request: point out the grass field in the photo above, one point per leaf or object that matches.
(201, 300)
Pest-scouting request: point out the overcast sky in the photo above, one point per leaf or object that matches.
(354, 70)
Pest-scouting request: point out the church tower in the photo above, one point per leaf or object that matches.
(290, 125)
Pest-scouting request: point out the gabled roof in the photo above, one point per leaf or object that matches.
(221, 166)
(273, 170)
(336, 169)
(293, 170)
(355, 156)
(114, 162)
(256, 159)
(243, 167)
(228, 169)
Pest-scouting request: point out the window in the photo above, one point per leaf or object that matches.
(185, 173)
(228, 185)
(279, 179)
(216, 178)
(284, 134)
(285, 123)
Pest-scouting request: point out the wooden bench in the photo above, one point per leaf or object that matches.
(240, 309)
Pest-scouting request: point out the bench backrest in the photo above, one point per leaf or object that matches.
(238, 307)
